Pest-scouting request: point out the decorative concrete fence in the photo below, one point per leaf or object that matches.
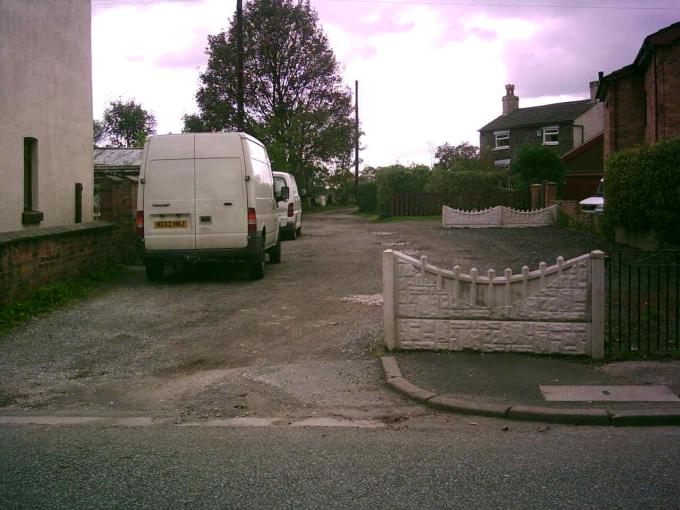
(499, 216)
(554, 309)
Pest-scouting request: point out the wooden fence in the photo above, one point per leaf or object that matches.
(430, 204)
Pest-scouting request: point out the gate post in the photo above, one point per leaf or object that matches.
(389, 308)
(596, 348)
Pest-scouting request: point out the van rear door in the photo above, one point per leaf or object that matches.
(169, 194)
(221, 208)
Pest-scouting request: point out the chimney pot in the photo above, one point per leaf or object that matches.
(510, 100)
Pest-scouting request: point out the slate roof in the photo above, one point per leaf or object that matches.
(540, 115)
(117, 157)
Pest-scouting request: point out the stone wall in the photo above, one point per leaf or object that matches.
(499, 216)
(552, 310)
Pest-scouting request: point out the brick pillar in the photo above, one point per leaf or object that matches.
(535, 196)
(550, 193)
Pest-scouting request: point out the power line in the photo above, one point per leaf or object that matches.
(531, 6)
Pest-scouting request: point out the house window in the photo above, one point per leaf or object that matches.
(502, 139)
(551, 135)
(30, 149)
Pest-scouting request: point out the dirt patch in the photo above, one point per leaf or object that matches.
(210, 343)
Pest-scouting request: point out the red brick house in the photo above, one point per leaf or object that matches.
(642, 100)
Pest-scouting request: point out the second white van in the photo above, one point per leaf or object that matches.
(290, 210)
(206, 197)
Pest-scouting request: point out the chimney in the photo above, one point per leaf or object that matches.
(510, 100)
(593, 90)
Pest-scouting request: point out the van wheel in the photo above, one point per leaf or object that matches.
(257, 265)
(299, 230)
(292, 235)
(154, 270)
(275, 252)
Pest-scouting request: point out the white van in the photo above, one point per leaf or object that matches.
(290, 210)
(207, 196)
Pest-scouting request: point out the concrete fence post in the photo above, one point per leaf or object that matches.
(389, 305)
(596, 348)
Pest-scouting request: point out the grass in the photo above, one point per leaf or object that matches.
(49, 297)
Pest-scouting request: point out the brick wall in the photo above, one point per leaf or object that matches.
(33, 258)
(557, 309)
(667, 60)
(520, 136)
(625, 114)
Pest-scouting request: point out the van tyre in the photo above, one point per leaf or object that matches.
(154, 270)
(292, 235)
(275, 252)
(257, 264)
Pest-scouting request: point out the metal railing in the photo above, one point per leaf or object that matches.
(642, 301)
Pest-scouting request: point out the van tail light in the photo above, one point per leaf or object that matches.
(252, 221)
(290, 210)
(139, 224)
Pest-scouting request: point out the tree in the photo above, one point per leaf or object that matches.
(194, 124)
(98, 131)
(536, 164)
(127, 124)
(463, 155)
(295, 101)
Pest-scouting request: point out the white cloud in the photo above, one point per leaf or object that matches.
(130, 44)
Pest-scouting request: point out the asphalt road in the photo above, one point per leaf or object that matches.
(462, 466)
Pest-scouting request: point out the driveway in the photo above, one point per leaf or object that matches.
(210, 343)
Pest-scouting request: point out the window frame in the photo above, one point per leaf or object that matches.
(551, 130)
(505, 134)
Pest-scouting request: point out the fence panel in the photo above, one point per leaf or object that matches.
(642, 301)
(430, 204)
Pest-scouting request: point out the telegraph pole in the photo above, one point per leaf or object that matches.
(240, 114)
(356, 133)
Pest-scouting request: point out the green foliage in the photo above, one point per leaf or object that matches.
(295, 100)
(535, 164)
(398, 179)
(460, 157)
(367, 197)
(127, 124)
(194, 124)
(47, 298)
(451, 181)
(98, 131)
(642, 189)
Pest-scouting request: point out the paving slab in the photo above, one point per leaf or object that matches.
(621, 393)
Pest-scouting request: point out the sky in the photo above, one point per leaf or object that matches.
(430, 71)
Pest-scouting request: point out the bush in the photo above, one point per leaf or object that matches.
(642, 189)
(398, 179)
(367, 196)
(452, 181)
(535, 164)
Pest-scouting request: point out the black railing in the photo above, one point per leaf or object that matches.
(642, 301)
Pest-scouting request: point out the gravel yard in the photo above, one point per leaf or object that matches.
(208, 342)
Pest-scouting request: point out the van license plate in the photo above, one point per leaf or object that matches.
(171, 224)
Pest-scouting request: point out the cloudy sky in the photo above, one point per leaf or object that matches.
(429, 71)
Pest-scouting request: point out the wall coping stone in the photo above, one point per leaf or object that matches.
(18, 236)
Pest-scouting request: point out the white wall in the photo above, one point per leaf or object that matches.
(45, 93)
(553, 310)
(592, 122)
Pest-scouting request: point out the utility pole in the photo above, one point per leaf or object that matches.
(356, 133)
(240, 114)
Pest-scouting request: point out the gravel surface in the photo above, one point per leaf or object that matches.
(208, 342)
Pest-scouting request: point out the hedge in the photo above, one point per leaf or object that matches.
(367, 197)
(398, 179)
(642, 189)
